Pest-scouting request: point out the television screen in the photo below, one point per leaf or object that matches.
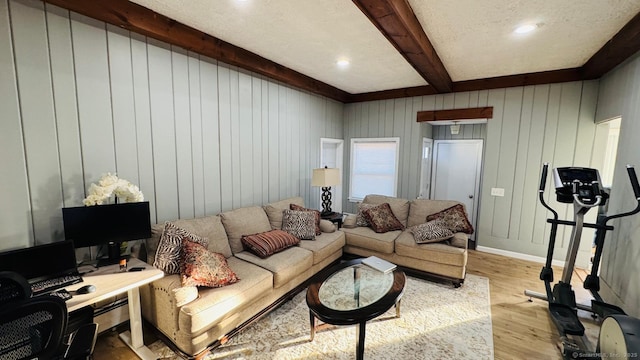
(102, 224)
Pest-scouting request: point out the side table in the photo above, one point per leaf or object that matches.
(335, 218)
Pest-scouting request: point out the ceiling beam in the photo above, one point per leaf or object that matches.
(141, 20)
(544, 77)
(621, 46)
(456, 114)
(399, 24)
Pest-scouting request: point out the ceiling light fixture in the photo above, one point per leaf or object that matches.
(527, 28)
(343, 63)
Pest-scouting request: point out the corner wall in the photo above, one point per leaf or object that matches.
(620, 271)
(80, 98)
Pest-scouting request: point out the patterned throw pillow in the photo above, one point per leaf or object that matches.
(301, 224)
(454, 218)
(430, 232)
(268, 243)
(200, 267)
(170, 246)
(315, 212)
(361, 220)
(382, 219)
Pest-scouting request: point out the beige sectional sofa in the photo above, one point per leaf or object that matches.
(446, 260)
(217, 313)
(197, 319)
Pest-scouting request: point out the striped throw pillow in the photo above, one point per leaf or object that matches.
(170, 247)
(268, 243)
(430, 232)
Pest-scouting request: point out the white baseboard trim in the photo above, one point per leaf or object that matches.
(516, 255)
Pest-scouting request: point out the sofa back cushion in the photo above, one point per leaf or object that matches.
(399, 206)
(274, 210)
(244, 221)
(209, 227)
(419, 209)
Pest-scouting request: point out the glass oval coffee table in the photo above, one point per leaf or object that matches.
(353, 293)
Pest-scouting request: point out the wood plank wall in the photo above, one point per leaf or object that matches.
(80, 98)
(620, 270)
(531, 125)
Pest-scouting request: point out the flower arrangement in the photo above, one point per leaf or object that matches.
(109, 185)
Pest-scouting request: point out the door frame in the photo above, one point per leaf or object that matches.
(476, 196)
(425, 140)
(338, 189)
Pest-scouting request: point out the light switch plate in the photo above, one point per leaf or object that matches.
(497, 192)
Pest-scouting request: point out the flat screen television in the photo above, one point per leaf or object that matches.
(107, 225)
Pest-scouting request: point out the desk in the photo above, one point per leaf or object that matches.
(109, 282)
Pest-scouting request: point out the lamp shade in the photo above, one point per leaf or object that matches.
(325, 177)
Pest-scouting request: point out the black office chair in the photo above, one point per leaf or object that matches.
(35, 327)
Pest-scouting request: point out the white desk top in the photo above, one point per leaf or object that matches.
(109, 281)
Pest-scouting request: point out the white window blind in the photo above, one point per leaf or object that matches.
(374, 167)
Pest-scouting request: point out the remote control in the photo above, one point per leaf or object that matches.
(62, 294)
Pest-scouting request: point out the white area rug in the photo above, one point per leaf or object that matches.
(437, 322)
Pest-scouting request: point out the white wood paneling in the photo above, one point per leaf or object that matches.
(16, 227)
(197, 136)
(38, 118)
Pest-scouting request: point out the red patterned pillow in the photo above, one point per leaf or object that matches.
(381, 218)
(269, 242)
(454, 218)
(200, 267)
(315, 212)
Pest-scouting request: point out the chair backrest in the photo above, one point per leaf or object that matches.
(30, 327)
(13, 287)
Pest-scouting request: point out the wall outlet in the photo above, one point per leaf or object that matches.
(497, 192)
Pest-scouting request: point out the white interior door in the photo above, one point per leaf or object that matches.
(456, 170)
(331, 156)
(425, 171)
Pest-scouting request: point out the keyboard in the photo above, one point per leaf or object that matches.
(48, 285)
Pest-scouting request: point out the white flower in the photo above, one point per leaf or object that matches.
(109, 185)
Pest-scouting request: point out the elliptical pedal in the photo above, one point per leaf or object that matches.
(566, 319)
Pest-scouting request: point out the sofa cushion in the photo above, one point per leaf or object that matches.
(324, 245)
(215, 304)
(200, 267)
(327, 226)
(244, 221)
(284, 265)
(184, 295)
(301, 224)
(366, 238)
(169, 250)
(381, 219)
(211, 228)
(399, 206)
(316, 214)
(435, 252)
(274, 210)
(361, 220)
(430, 232)
(419, 209)
(455, 218)
(269, 242)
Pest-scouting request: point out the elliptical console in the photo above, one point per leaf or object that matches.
(581, 187)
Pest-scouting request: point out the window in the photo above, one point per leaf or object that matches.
(374, 167)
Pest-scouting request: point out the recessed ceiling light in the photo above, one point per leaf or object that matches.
(343, 63)
(527, 28)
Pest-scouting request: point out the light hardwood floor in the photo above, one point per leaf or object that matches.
(521, 329)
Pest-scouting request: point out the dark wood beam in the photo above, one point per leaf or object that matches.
(398, 23)
(456, 114)
(623, 44)
(139, 19)
(393, 94)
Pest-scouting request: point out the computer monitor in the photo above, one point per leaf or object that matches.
(41, 262)
(107, 224)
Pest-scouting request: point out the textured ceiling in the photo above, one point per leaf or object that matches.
(474, 38)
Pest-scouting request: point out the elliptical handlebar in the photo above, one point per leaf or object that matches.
(634, 181)
(543, 184)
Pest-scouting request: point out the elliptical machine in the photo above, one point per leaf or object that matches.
(619, 333)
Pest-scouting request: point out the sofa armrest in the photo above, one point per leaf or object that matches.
(459, 240)
(349, 221)
(159, 303)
